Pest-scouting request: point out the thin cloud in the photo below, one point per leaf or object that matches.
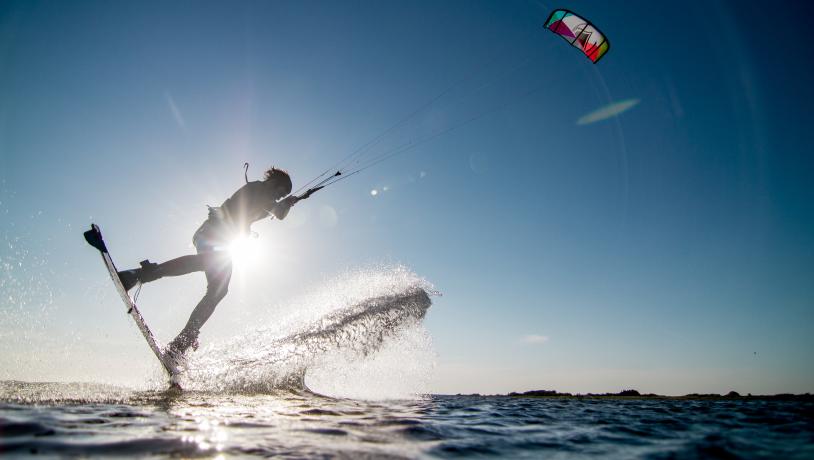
(534, 339)
(609, 111)
(176, 113)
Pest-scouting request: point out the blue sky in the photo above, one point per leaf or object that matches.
(657, 249)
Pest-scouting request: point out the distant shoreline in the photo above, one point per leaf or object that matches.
(634, 394)
(19, 387)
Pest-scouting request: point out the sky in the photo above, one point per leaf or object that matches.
(646, 222)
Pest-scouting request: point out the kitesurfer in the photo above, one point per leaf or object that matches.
(252, 202)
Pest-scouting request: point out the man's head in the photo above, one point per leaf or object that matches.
(279, 181)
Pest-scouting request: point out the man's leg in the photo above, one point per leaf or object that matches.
(176, 267)
(217, 285)
(189, 264)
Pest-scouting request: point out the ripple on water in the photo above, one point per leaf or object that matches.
(398, 422)
(327, 431)
(9, 428)
(463, 449)
(421, 433)
(259, 425)
(135, 447)
(320, 412)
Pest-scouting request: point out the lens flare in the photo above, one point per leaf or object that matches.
(244, 251)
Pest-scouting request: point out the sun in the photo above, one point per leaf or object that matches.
(244, 251)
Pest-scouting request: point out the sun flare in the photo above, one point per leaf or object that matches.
(244, 251)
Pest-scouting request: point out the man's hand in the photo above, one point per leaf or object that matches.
(283, 206)
(309, 192)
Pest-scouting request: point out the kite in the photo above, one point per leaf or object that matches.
(579, 32)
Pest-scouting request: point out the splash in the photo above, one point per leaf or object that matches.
(366, 320)
(400, 369)
(27, 292)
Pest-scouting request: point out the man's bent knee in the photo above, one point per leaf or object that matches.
(217, 292)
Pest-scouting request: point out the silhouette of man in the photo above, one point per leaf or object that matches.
(252, 202)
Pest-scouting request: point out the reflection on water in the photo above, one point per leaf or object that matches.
(73, 419)
(77, 419)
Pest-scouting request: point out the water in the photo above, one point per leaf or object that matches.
(346, 376)
(92, 420)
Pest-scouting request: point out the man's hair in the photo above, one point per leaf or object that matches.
(279, 176)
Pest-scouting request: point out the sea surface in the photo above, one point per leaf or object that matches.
(340, 379)
(58, 420)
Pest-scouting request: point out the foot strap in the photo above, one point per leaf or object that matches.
(147, 265)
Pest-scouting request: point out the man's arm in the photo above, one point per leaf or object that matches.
(280, 210)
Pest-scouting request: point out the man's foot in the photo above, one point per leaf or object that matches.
(174, 355)
(175, 351)
(130, 278)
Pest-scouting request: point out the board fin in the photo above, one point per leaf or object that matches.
(94, 238)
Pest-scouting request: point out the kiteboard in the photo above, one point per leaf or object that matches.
(94, 238)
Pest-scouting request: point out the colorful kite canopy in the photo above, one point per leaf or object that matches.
(578, 32)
